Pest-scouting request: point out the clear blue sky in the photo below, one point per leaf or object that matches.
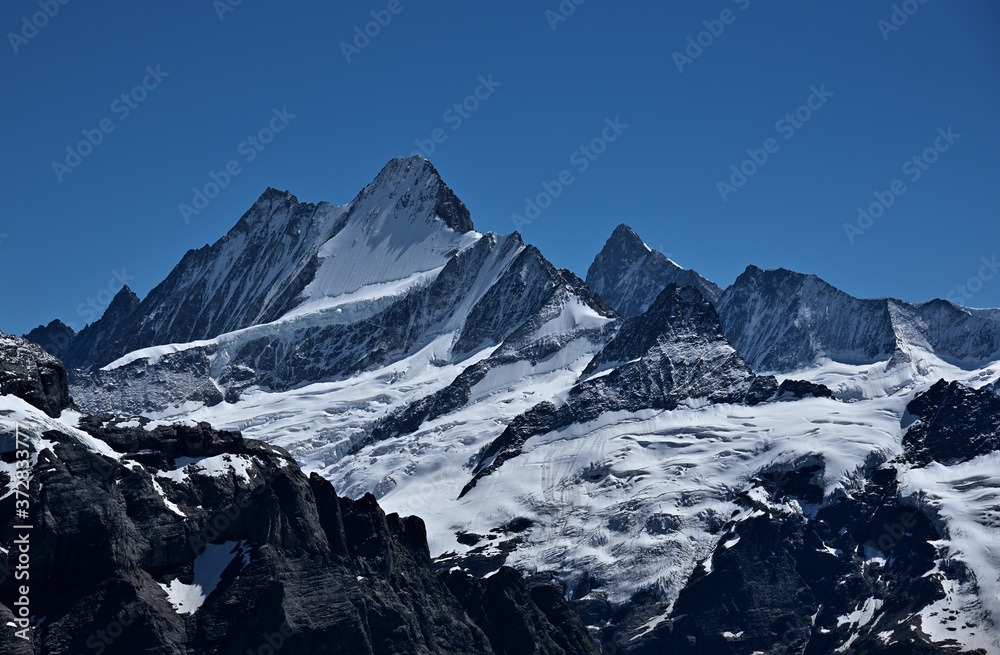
(118, 209)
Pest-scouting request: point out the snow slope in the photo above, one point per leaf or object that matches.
(416, 344)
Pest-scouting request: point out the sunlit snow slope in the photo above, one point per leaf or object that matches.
(463, 378)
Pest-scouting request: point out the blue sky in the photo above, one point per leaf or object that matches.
(216, 73)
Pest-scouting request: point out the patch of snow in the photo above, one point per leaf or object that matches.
(208, 569)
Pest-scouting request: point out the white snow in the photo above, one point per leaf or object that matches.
(217, 466)
(387, 241)
(688, 463)
(15, 410)
(863, 615)
(163, 496)
(208, 569)
(648, 627)
(966, 498)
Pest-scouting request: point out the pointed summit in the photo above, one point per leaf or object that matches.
(625, 239)
(124, 302)
(104, 333)
(269, 202)
(415, 179)
(629, 275)
(284, 253)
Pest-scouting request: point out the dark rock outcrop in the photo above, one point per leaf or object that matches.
(956, 424)
(104, 334)
(32, 374)
(801, 389)
(275, 558)
(519, 619)
(55, 338)
(847, 578)
(258, 271)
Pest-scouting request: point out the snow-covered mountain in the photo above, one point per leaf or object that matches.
(629, 275)
(646, 459)
(184, 539)
(284, 255)
(674, 352)
(782, 321)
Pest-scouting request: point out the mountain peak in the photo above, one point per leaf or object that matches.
(625, 241)
(629, 275)
(415, 178)
(264, 207)
(272, 195)
(125, 298)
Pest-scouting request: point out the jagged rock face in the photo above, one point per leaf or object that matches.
(965, 337)
(802, 389)
(781, 321)
(414, 357)
(104, 334)
(278, 256)
(30, 373)
(785, 582)
(873, 571)
(628, 275)
(430, 193)
(143, 386)
(672, 352)
(519, 619)
(529, 295)
(252, 274)
(55, 338)
(956, 424)
(276, 559)
(498, 290)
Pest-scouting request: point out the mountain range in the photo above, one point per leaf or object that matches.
(637, 462)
